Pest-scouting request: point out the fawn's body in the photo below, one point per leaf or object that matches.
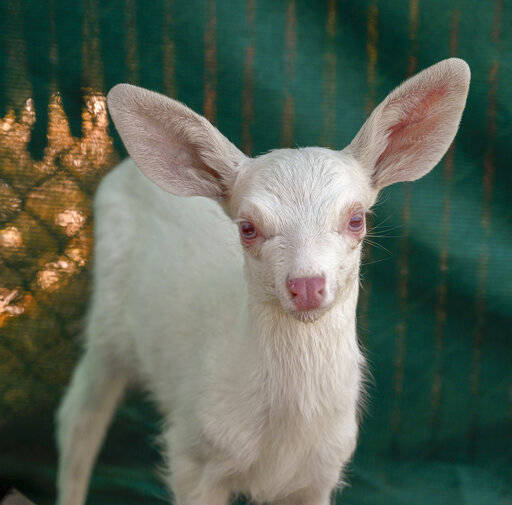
(277, 433)
(251, 357)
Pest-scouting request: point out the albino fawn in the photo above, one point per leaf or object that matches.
(248, 347)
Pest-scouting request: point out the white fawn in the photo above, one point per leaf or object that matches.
(247, 345)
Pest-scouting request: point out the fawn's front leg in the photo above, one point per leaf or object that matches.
(192, 480)
(191, 484)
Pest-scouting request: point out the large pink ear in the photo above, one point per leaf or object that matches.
(409, 132)
(173, 146)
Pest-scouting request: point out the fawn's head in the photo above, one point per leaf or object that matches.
(300, 212)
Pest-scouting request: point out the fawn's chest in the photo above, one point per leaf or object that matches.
(296, 449)
(288, 431)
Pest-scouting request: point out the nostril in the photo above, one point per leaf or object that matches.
(315, 287)
(296, 287)
(307, 292)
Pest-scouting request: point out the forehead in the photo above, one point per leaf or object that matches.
(302, 181)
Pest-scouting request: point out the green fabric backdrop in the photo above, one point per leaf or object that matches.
(435, 311)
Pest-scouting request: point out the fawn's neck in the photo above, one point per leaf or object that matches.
(302, 362)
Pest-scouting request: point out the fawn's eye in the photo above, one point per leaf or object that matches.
(356, 222)
(248, 230)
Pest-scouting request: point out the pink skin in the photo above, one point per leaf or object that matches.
(307, 293)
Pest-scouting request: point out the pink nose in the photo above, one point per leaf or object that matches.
(307, 292)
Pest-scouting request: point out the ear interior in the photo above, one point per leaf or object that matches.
(410, 131)
(172, 145)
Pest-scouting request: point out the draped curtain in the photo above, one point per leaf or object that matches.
(435, 308)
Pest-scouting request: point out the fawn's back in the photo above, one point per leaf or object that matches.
(168, 275)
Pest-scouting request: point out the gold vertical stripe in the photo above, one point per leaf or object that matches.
(59, 133)
(96, 141)
(18, 86)
(414, 20)
(372, 51)
(454, 32)
(288, 115)
(15, 135)
(442, 289)
(287, 119)
(92, 64)
(169, 62)
(210, 62)
(248, 91)
(485, 220)
(330, 84)
(291, 40)
(131, 51)
(54, 52)
(403, 260)
(442, 292)
(496, 23)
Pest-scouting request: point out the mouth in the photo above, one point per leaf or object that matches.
(309, 316)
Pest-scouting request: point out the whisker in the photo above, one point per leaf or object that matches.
(364, 264)
(376, 244)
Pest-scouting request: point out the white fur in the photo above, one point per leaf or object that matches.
(258, 398)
